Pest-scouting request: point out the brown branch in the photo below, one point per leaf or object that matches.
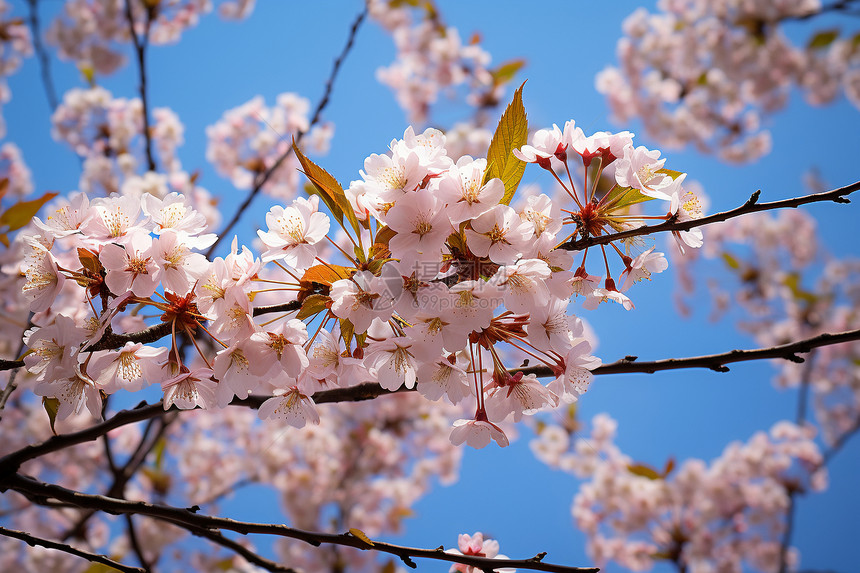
(247, 554)
(121, 476)
(32, 541)
(370, 390)
(140, 45)
(751, 206)
(716, 362)
(284, 307)
(185, 517)
(111, 340)
(266, 175)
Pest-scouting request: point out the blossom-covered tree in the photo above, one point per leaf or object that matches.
(163, 351)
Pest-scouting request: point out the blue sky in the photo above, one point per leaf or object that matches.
(289, 46)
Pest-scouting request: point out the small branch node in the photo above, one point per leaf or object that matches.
(408, 561)
(795, 358)
(720, 368)
(753, 198)
(538, 558)
(841, 200)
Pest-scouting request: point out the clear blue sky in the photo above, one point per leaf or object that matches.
(289, 46)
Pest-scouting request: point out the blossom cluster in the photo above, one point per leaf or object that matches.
(702, 517)
(788, 289)
(250, 139)
(703, 73)
(15, 45)
(432, 59)
(91, 32)
(435, 282)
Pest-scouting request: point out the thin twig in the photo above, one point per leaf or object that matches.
(140, 45)
(751, 206)
(261, 179)
(32, 540)
(185, 517)
(42, 55)
(121, 476)
(791, 510)
(134, 541)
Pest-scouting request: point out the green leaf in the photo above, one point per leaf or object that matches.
(355, 532)
(22, 213)
(160, 449)
(335, 211)
(312, 305)
(347, 330)
(731, 261)
(622, 197)
(792, 281)
(101, 567)
(52, 406)
(822, 39)
(505, 72)
(511, 133)
(644, 470)
(671, 173)
(328, 187)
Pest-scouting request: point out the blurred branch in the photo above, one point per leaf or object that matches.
(42, 55)
(261, 179)
(32, 541)
(791, 510)
(122, 475)
(751, 206)
(188, 518)
(140, 44)
(13, 365)
(247, 554)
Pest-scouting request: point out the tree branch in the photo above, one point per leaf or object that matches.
(264, 177)
(247, 554)
(32, 541)
(370, 390)
(751, 206)
(140, 48)
(716, 362)
(42, 55)
(184, 518)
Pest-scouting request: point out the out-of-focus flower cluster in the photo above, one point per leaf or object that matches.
(250, 139)
(703, 73)
(720, 516)
(91, 32)
(15, 45)
(432, 59)
(789, 289)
